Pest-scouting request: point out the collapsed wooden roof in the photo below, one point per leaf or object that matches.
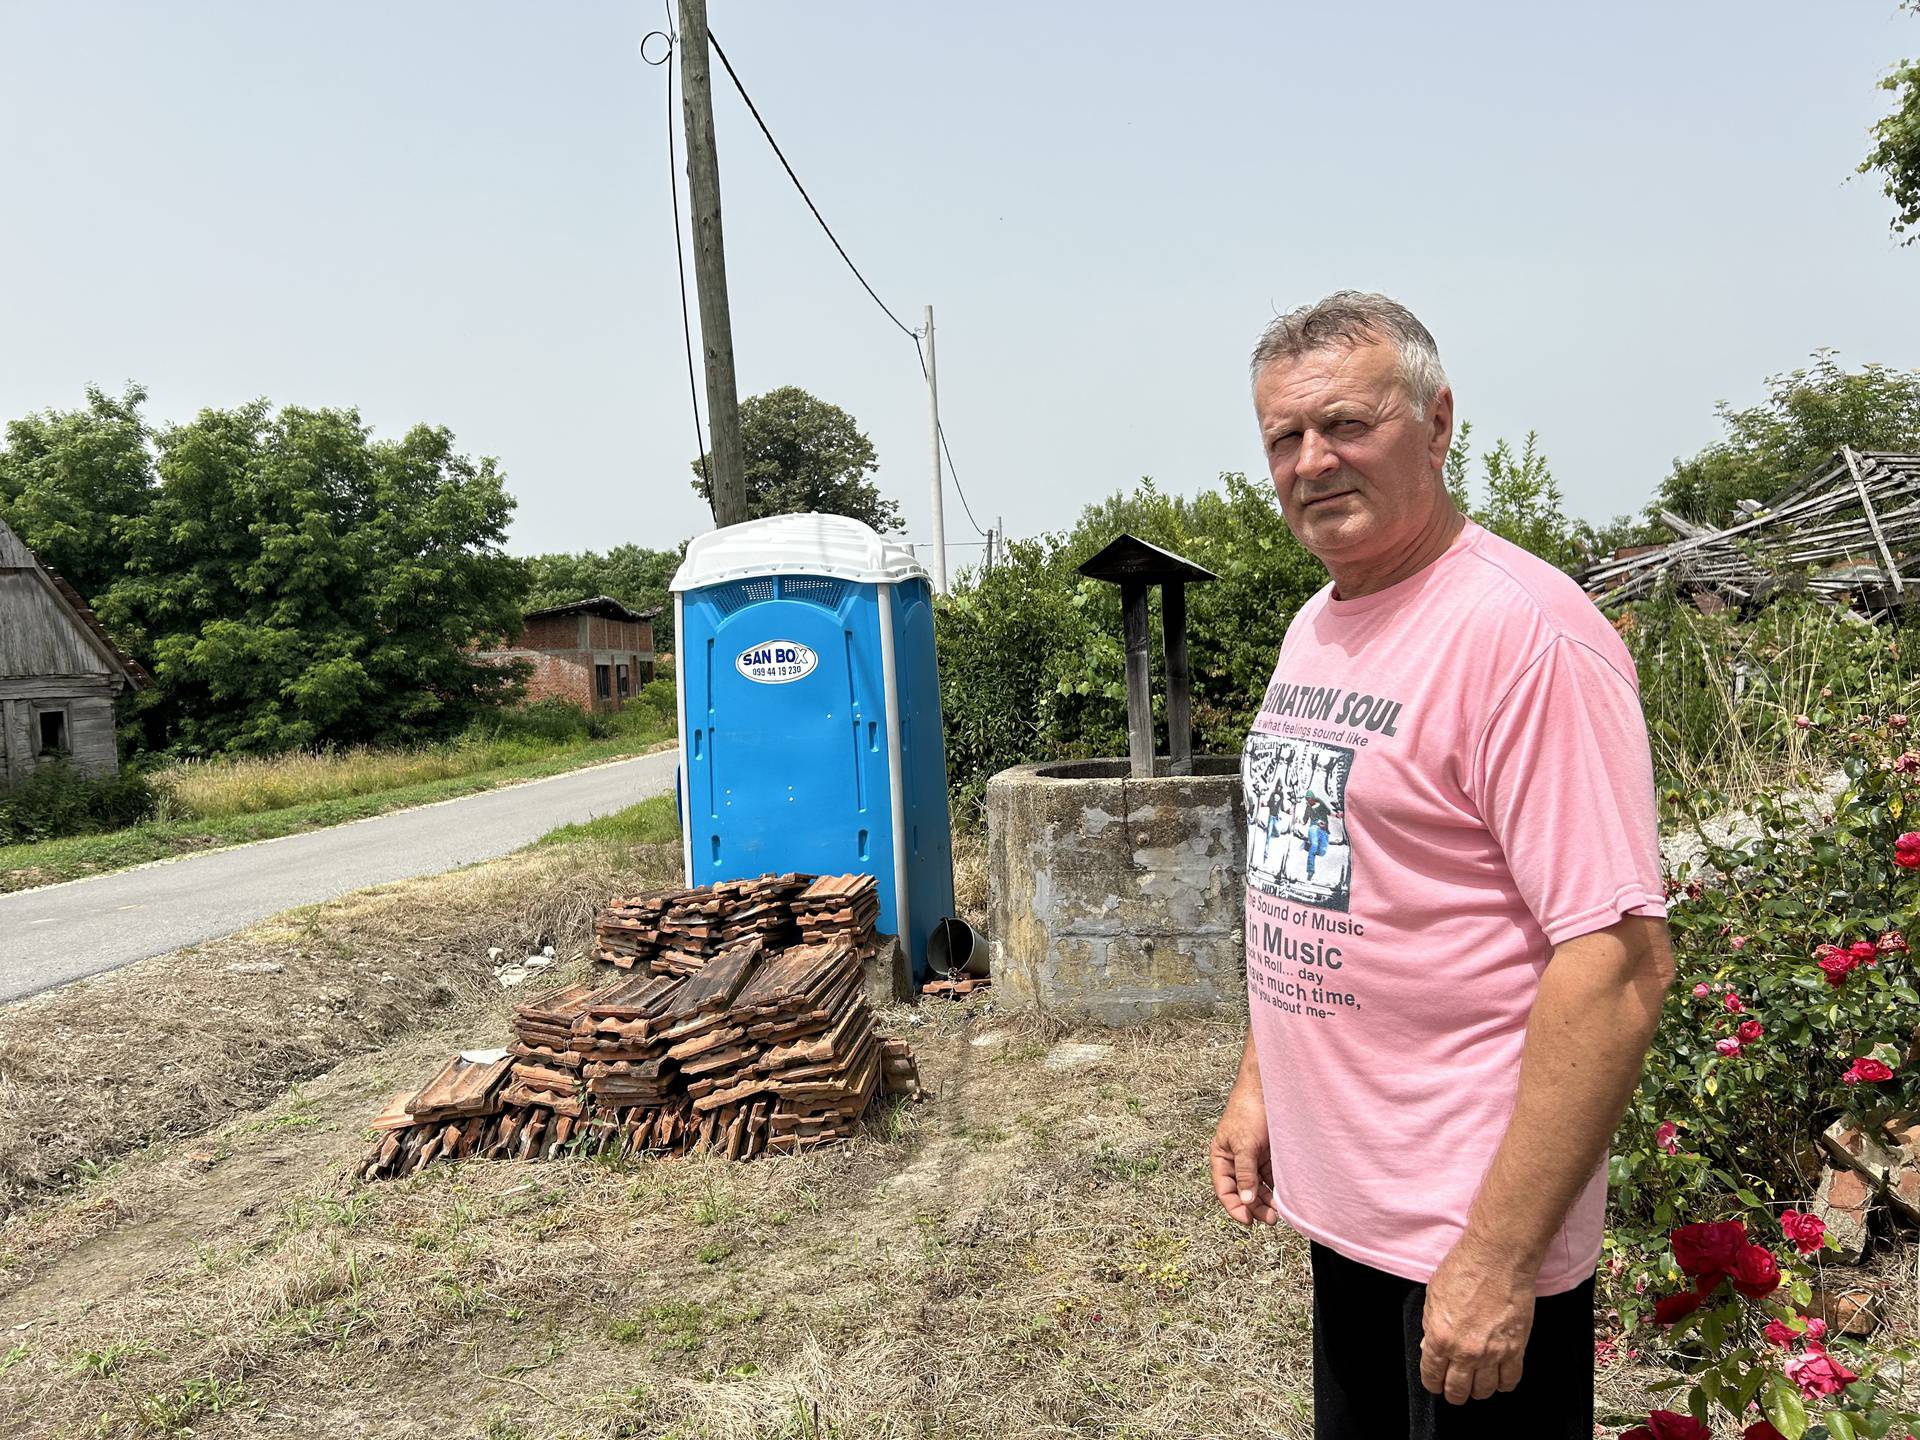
(1851, 526)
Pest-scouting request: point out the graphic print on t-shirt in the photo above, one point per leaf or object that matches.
(1297, 846)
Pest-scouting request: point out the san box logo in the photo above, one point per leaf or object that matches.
(776, 662)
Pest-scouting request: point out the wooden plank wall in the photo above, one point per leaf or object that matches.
(40, 637)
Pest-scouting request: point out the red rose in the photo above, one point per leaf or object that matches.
(1778, 1332)
(1897, 722)
(1807, 1232)
(1761, 1430)
(1864, 952)
(1818, 1374)
(1867, 1069)
(1733, 1004)
(1672, 1309)
(1750, 1031)
(1836, 964)
(1892, 943)
(1709, 1251)
(1756, 1274)
(1906, 850)
(1666, 1425)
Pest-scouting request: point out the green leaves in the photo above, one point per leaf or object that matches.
(1782, 1405)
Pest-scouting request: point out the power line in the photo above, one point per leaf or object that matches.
(679, 254)
(911, 334)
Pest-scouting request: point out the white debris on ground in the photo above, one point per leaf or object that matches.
(1685, 857)
(512, 972)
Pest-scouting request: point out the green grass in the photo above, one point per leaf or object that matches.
(50, 861)
(651, 822)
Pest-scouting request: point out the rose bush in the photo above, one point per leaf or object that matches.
(1747, 1351)
(1796, 1004)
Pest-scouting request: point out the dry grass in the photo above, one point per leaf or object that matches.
(1034, 1252)
(170, 1046)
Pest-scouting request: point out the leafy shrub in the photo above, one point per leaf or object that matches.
(1722, 693)
(56, 800)
(1725, 1117)
(1031, 659)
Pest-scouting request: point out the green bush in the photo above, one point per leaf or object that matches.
(56, 800)
(1816, 871)
(544, 723)
(1722, 693)
(1031, 659)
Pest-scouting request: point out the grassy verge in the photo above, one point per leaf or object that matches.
(651, 822)
(50, 861)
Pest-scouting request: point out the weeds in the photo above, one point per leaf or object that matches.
(173, 1412)
(106, 1360)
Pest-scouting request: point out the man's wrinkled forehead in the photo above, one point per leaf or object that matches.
(1334, 375)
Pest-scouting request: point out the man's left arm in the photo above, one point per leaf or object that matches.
(1594, 1016)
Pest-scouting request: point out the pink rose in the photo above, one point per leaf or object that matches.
(1906, 850)
(1756, 1274)
(1738, 942)
(1667, 1137)
(1907, 762)
(1818, 1374)
(1709, 1251)
(1864, 952)
(1816, 1328)
(1750, 1031)
(1897, 722)
(1807, 1232)
(1700, 991)
(1892, 943)
(1867, 1069)
(1728, 1047)
(1801, 722)
(1733, 1004)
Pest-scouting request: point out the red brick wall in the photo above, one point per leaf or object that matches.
(549, 632)
(551, 677)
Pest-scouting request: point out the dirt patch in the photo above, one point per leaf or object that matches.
(169, 1046)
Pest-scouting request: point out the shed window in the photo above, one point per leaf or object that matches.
(625, 682)
(53, 732)
(603, 681)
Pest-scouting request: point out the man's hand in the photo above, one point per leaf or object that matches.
(1241, 1152)
(1478, 1316)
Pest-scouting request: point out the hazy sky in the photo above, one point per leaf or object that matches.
(1611, 218)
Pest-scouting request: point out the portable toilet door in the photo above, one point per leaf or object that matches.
(809, 716)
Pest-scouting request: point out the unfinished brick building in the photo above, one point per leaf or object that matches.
(593, 653)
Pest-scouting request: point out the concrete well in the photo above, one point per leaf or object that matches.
(1116, 899)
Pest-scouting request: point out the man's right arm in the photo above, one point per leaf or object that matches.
(1241, 1153)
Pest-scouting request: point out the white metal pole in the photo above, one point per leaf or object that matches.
(939, 514)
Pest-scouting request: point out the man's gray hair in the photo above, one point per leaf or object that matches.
(1358, 317)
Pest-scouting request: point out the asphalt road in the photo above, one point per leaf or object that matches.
(61, 933)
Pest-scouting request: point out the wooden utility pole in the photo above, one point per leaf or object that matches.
(939, 512)
(728, 464)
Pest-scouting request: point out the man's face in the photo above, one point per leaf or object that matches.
(1357, 473)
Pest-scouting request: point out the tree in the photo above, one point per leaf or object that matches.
(295, 582)
(1523, 500)
(71, 482)
(804, 454)
(1807, 416)
(1896, 149)
(636, 577)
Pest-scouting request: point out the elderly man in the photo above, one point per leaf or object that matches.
(1440, 1047)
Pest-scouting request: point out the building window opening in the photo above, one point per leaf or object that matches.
(626, 685)
(53, 732)
(603, 681)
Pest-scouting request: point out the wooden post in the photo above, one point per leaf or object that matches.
(710, 270)
(1133, 606)
(1173, 638)
(1873, 523)
(939, 493)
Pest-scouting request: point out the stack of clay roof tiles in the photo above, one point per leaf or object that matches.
(731, 1033)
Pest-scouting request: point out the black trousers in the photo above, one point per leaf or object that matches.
(1366, 1365)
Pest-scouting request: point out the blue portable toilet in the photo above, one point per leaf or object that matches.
(810, 735)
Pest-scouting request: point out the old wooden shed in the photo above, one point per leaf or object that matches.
(59, 671)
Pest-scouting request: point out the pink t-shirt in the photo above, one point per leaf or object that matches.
(1446, 779)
